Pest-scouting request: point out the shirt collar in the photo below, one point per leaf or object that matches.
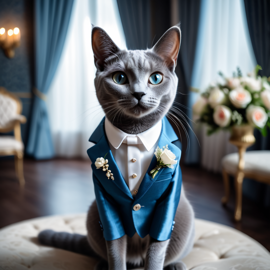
(148, 138)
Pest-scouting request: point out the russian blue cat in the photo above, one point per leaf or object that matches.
(136, 90)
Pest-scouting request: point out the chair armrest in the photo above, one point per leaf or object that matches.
(13, 122)
(16, 119)
(19, 118)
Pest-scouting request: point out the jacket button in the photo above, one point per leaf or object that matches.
(136, 207)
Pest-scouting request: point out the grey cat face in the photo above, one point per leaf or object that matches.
(135, 88)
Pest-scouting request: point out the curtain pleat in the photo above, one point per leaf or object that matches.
(145, 21)
(258, 20)
(135, 17)
(51, 25)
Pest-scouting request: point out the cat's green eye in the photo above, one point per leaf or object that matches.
(120, 78)
(155, 78)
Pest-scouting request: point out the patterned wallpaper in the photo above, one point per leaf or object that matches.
(16, 74)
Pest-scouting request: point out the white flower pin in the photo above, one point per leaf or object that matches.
(165, 158)
(103, 163)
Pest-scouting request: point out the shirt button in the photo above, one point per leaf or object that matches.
(136, 207)
(134, 175)
(133, 160)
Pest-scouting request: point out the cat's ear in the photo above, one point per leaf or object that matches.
(168, 46)
(103, 47)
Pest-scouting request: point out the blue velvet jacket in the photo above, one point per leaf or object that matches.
(158, 197)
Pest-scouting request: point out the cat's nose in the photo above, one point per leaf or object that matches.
(138, 95)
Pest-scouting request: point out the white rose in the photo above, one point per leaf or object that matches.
(216, 97)
(265, 96)
(100, 162)
(199, 105)
(240, 97)
(266, 85)
(233, 82)
(168, 157)
(222, 116)
(256, 116)
(252, 83)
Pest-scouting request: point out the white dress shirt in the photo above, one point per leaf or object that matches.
(133, 153)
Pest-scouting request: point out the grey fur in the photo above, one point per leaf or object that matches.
(134, 116)
(120, 106)
(146, 252)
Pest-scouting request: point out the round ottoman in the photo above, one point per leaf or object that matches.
(216, 247)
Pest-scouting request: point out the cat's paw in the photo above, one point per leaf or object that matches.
(102, 265)
(176, 266)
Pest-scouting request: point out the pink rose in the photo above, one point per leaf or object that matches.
(222, 116)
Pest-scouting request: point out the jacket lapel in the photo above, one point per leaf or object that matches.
(167, 136)
(102, 149)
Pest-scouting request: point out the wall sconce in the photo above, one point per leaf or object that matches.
(10, 40)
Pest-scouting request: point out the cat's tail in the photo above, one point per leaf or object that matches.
(68, 241)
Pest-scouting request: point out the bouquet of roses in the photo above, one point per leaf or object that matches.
(238, 101)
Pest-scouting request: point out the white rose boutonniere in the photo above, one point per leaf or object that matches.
(165, 158)
(103, 163)
(100, 162)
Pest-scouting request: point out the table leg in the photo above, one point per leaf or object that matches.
(19, 167)
(238, 188)
(225, 199)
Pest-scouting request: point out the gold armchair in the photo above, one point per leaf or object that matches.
(11, 119)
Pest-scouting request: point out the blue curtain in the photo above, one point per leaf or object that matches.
(135, 17)
(145, 21)
(258, 20)
(51, 24)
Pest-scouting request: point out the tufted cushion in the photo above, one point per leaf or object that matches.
(216, 247)
(9, 143)
(8, 109)
(256, 162)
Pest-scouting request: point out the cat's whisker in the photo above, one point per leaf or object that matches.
(110, 106)
(183, 94)
(104, 109)
(178, 109)
(96, 114)
(176, 124)
(184, 129)
(173, 120)
(179, 104)
(92, 112)
(118, 110)
(111, 110)
(107, 110)
(95, 106)
(115, 112)
(187, 125)
(190, 129)
(120, 113)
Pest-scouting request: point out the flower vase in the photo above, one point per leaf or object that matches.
(242, 137)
